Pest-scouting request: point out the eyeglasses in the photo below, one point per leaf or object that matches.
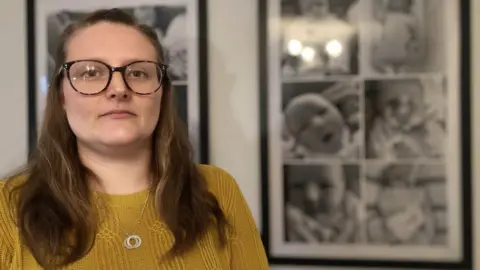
(91, 77)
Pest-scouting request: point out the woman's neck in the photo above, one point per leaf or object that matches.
(118, 173)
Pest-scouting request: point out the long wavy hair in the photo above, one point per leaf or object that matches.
(54, 206)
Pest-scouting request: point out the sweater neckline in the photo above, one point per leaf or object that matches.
(125, 200)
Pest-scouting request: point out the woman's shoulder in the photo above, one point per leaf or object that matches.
(216, 177)
(221, 183)
(7, 209)
(4, 199)
(7, 186)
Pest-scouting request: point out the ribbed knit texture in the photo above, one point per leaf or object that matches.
(243, 252)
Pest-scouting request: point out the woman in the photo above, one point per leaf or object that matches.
(112, 184)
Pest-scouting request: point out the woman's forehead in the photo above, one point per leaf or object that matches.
(112, 42)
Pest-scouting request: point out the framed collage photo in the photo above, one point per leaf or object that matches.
(365, 133)
(181, 28)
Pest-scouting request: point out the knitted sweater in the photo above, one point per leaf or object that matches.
(244, 250)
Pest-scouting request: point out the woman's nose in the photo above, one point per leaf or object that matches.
(118, 88)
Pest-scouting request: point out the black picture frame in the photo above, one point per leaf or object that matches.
(199, 131)
(269, 26)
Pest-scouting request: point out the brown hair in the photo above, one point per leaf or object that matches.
(54, 208)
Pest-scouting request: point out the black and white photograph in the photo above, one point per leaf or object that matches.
(403, 36)
(318, 38)
(364, 127)
(180, 94)
(321, 120)
(406, 204)
(405, 118)
(178, 28)
(323, 204)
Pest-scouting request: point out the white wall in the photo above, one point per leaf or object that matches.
(233, 82)
(13, 93)
(234, 92)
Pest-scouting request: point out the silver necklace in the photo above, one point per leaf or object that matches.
(132, 240)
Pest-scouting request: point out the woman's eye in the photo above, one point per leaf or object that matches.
(91, 74)
(138, 74)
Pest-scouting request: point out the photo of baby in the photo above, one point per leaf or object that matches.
(319, 38)
(406, 204)
(321, 120)
(323, 204)
(402, 36)
(405, 118)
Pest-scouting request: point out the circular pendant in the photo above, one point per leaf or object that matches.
(132, 241)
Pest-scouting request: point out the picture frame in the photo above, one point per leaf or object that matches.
(365, 133)
(187, 55)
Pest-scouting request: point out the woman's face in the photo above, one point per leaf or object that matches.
(88, 117)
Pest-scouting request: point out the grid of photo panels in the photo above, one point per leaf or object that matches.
(361, 100)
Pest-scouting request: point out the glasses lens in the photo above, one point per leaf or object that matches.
(89, 77)
(143, 77)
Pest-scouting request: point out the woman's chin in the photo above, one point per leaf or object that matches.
(118, 141)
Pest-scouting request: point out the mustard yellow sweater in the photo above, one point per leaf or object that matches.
(243, 252)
